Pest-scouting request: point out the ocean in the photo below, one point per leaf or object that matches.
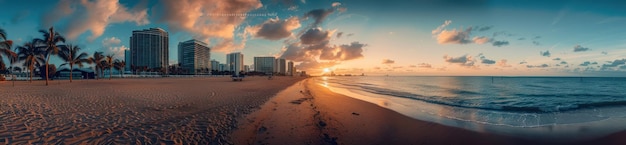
(529, 107)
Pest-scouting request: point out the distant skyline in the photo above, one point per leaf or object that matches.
(420, 37)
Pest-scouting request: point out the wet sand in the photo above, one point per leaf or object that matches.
(308, 113)
(130, 111)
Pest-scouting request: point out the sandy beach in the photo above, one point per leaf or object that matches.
(308, 113)
(130, 111)
(215, 110)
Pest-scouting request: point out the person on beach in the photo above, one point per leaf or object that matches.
(242, 74)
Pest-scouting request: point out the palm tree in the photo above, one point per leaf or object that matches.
(31, 55)
(119, 65)
(143, 69)
(105, 66)
(70, 54)
(4, 43)
(17, 69)
(51, 38)
(109, 60)
(97, 58)
(5, 47)
(132, 68)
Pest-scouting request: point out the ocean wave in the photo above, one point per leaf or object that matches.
(519, 106)
(537, 86)
(528, 105)
(464, 92)
(564, 95)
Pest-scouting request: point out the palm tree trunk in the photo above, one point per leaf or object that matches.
(31, 74)
(96, 73)
(110, 74)
(71, 68)
(47, 70)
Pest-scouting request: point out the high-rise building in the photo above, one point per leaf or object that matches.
(290, 68)
(149, 48)
(221, 67)
(276, 66)
(234, 61)
(280, 66)
(215, 65)
(264, 64)
(127, 60)
(246, 68)
(194, 55)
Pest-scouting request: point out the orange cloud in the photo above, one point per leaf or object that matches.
(275, 29)
(209, 19)
(503, 63)
(453, 37)
(388, 61)
(481, 40)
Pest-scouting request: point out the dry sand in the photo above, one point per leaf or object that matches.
(308, 113)
(130, 111)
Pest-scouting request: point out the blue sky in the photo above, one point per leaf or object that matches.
(420, 37)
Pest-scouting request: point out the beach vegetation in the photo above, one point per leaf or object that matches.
(32, 56)
(51, 40)
(97, 58)
(72, 56)
(109, 64)
(5, 49)
(119, 65)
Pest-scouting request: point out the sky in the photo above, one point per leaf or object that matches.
(392, 37)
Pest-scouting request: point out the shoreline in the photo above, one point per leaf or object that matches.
(578, 125)
(216, 110)
(326, 117)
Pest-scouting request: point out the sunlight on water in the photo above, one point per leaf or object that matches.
(528, 107)
(324, 82)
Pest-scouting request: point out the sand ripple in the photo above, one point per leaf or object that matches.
(130, 111)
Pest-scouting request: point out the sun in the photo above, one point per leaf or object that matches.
(326, 70)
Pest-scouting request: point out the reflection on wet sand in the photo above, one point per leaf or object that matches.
(574, 125)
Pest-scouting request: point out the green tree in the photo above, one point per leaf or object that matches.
(51, 39)
(97, 58)
(31, 55)
(119, 65)
(72, 56)
(51, 72)
(5, 48)
(109, 62)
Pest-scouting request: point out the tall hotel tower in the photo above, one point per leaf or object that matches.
(149, 48)
(234, 61)
(194, 55)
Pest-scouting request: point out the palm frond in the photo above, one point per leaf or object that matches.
(83, 55)
(30, 53)
(12, 56)
(3, 34)
(59, 38)
(6, 44)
